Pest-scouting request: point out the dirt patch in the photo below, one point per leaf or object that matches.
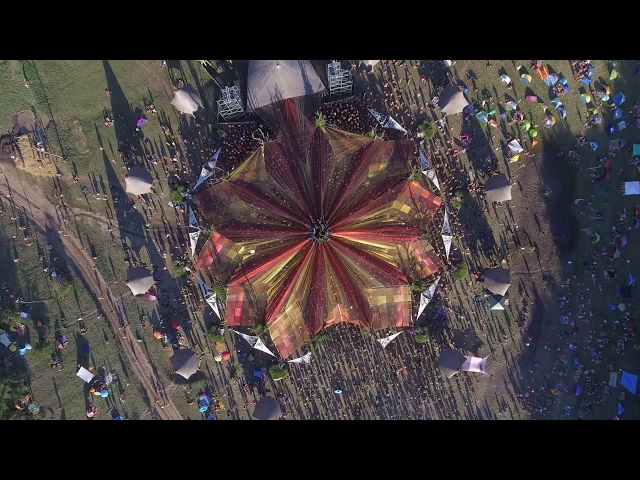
(29, 158)
(79, 137)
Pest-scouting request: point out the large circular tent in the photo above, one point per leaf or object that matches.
(317, 227)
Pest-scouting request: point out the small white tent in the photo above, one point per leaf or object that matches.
(85, 375)
(632, 188)
(474, 364)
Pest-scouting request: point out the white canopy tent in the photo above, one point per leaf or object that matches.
(204, 174)
(263, 348)
(187, 100)
(139, 280)
(255, 342)
(193, 240)
(447, 240)
(427, 296)
(306, 359)
(431, 175)
(452, 100)
(138, 181)
(515, 147)
(85, 375)
(391, 123)
(498, 188)
(446, 225)
(269, 81)
(474, 364)
(632, 188)
(4, 339)
(387, 340)
(496, 302)
(212, 301)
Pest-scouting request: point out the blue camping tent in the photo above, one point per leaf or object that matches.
(482, 116)
(629, 381)
(620, 409)
(636, 148)
(619, 98)
(617, 114)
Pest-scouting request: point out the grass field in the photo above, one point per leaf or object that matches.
(70, 98)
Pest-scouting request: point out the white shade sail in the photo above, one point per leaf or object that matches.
(387, 340)
(187, 100)
(306, 359)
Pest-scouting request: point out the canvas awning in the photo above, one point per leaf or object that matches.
(452, 100)
(450, 362)
(267, 408)
(269, 81)
(139, 280)
(187, 100)
(185, 363)
(498, 188)
(138, 181)
(497, 280)
(632, 188)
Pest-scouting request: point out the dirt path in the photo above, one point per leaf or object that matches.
(45, 217)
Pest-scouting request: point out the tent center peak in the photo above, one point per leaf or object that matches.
(319, 231)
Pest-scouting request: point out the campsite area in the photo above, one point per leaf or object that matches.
(71, 235)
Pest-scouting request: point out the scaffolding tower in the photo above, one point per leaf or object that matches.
(230, 105)
(340, 80)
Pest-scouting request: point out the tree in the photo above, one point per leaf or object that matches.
(178, 269)
(418, 286)
(11, 389)
(278, 373)
(257, 329)
(220, 289)
(320, 338)
(10, 315)
(176, 193)
(214, 336)
(427, 129)
(423, 337)
(462, 270)
(320, 121)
